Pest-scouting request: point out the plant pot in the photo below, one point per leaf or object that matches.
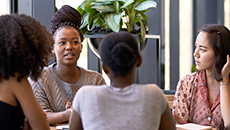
(95, 42)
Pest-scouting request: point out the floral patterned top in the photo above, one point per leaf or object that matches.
(191, 103)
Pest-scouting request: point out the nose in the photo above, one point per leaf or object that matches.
(68, 46)
(196, 53)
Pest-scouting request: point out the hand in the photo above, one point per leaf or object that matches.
(68, 112)
(26, 125)
(68, 105)
(226, 70)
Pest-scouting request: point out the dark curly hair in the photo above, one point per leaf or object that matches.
(219, 39)
(119, 51)
(25, 46)
(67, 16)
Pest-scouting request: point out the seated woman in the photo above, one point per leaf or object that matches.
(123, 105)
(60, 81)
(203, 96)
(24, 48)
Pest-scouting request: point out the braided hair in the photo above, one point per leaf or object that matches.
(67, 16)
(119, 51)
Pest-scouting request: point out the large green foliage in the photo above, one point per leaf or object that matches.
(110, 14)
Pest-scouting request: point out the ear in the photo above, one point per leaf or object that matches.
(139, 61)
(104, 67)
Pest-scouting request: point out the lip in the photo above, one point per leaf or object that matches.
(197, 62)
(69, 54)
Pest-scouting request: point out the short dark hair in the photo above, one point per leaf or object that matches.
(119, 51)
(219, 39)
(25, 46)
(67, 16)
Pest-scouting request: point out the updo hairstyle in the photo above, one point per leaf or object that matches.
(25, 46)
(219, 39)
(119, 51)
(66, 16)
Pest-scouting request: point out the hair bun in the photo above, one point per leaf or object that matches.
(66, 14)
(123, 55)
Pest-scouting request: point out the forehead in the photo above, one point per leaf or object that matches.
(66, 31)
(202, 39)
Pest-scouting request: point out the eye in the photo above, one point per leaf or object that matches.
(62, 42)
(202, 50)
(75, 42)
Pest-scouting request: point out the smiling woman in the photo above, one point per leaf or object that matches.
(60, 81)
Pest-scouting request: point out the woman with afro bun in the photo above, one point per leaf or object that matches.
(60, 81)
(25, 46)
(123, 105)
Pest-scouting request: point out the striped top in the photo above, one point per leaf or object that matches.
(52, 93)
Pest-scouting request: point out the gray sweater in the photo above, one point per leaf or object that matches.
(135, 107)
(52, 93)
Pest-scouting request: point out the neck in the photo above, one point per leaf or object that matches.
(212, 83)
(69, 74)
(123, 81)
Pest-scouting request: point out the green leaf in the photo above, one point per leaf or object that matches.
(116, 7)
(104, 1)
(127, 3)
(91, 17)
(129, 27)
(113, 21)
(103, 8)
(85, 20)
(142, 33)
(146, 5)
(87, 8)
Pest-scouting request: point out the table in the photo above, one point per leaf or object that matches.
(54, 127)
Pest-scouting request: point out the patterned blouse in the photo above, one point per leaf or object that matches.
(191, 103)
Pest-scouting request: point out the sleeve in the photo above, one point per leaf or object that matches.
(181, 101)
(40, 94)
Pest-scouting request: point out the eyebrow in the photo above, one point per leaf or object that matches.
(201, 46)
(66, 38)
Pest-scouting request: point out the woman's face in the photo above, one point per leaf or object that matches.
(67, 46)
(203, 54)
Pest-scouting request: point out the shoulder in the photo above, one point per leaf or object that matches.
(90, 77)
(190, 78)
(45, 78)
(151, 89)
(91, 88)
(89, 72)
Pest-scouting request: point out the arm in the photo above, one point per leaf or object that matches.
(178, 105)
(52, 117)
(58, 117)
(225, 94)
(167, 121)
(75, 122)
(31, 108)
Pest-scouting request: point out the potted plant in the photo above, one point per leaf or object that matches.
(102, 16)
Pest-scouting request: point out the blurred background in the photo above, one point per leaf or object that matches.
(175, 22)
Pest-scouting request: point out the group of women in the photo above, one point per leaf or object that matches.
(33, 96)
